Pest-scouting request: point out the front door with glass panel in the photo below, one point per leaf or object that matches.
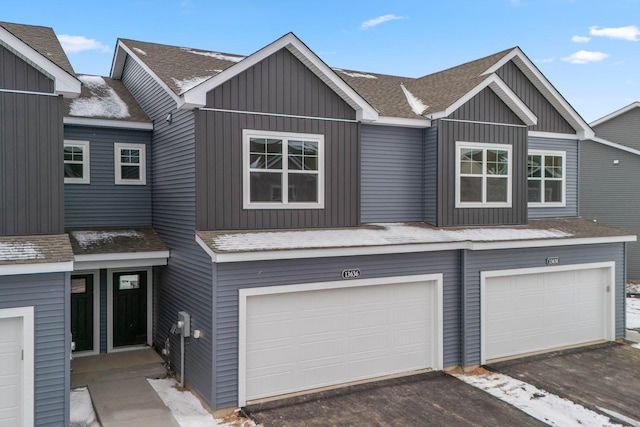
(82, 311)
(129, 308)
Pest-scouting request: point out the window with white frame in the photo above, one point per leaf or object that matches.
(483, 175)
(274, 161)
(546, 178)
(76, 162)
(130, 164)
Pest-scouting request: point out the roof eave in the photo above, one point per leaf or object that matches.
(107, 123)
(615, 114)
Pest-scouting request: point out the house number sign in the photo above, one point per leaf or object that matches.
(553, 260)
(353, 273)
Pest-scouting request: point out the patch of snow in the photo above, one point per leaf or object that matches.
(350, 74)
(546, 407)
(387, 234)
(637, 345)
(140, 51)
(186, 408)
(633, 313)
(103, 102)
(215, 55)
(87, 238)
(416, 104)
(82, 413)
(19, 251)
(186, 84)
(633, 288)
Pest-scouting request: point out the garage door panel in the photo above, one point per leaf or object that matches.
(11, 367)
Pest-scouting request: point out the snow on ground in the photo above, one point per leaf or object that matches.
(544, 406)
(187, 409)
(17, 251)
(82, 413)
(104, 102)
(87, 238)
(633, 288)
(633, 313)
(416, 104)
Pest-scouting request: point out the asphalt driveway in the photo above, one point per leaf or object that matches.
(604, 378)
(433, 399)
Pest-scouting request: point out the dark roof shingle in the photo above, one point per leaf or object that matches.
(36, 249)
(115, 240)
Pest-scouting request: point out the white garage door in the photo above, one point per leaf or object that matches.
(534, 312)
(11, 375)
(308, 339)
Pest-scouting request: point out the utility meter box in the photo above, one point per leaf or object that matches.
(185, 318)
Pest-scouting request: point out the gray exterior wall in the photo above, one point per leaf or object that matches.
(609, 193)
(478, 261)
(571, 173)
(234, 276)
(431, 174)
(486, 106)
(49, 295)
(186, 282)
(549, 120)
(280, 84)
(448, 133)
(392, 174)
(16, 74)
(102, 203)
(31, 164)
(623, 129)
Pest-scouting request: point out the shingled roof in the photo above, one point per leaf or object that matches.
(37, 249)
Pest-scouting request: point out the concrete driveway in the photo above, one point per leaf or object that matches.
(604, 378)
(431, 399)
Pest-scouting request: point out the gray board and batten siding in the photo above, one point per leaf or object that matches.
(486, 106)
(186, 282)
(609, 193)
(430, 184)
(48, 294)
(234, 276)
(17, 74)
(478, 261)
(280, 84)
(623, 129)
(102, 203)
(392, 160)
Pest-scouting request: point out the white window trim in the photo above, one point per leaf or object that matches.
(247, 204)
(562, 154)
(86, 162)
(117, 147)
(484, 146)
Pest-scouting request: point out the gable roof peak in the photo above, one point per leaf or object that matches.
(619, 112)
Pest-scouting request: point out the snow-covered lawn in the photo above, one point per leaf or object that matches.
(546, 407)
(82, 413)
(633, 313)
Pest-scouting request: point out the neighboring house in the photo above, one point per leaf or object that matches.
(610, 164)
(319, 225)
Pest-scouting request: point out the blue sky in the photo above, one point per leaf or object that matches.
(588, 49)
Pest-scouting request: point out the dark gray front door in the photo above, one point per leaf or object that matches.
(82, 311)
(129, 308)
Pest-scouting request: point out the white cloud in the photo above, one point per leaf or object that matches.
(584, 57)
(630, 33)
(545, 60)
(580, 39)
(379, 20)
(75, 44)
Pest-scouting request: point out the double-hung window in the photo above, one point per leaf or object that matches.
(130, 164)
(546, 178)
(283, 170)
(483, 175)
(76, 162)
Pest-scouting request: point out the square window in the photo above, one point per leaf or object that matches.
(76, 162)
(546, 186)
(129, 281)
(483, 175)
(130, 164)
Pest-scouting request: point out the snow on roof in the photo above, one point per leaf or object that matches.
(352, 74)
(378, 235)
(187, 84)
(416, 104)
(102, 102)
(140, 51)
(87, 238)
(215, 55)
(16, 251)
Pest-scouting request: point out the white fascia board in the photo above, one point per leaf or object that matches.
(615, 145)
(107, 123)
(553, 135)
(36, 268)
(121, 260)
(65, 84)
(523, 244)
(118, 63)
(615, 114)
(122, 255)
(546, 88)
(402, 122)
(196, 97)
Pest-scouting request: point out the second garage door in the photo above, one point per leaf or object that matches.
(525, 313)
(306, 339)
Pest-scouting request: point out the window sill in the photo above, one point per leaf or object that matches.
(288, 206)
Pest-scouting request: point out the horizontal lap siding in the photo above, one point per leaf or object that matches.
(48, 293)
(102, 203)
(234, 276)
(31, 164)
(392, 174)
(16, 74)
(624, 129)
(478, 261)
(186, 282)
(571, 173)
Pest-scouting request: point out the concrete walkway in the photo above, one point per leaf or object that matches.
(119, 388)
